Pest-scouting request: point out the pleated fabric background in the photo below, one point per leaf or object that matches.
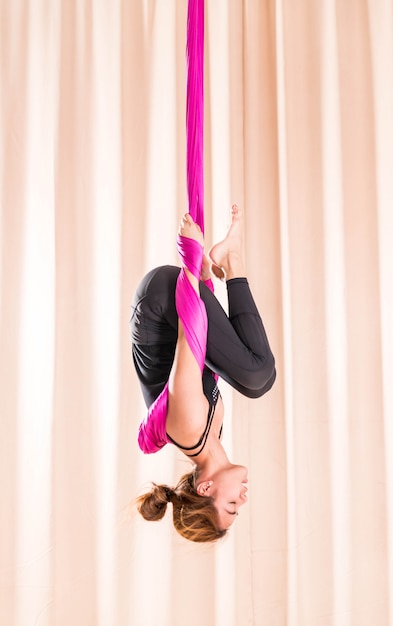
(299, 133)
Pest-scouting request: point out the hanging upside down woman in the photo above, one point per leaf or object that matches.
(178, 365)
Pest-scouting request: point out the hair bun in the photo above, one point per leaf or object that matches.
(168, 493)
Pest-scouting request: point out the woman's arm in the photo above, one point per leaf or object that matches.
(187, 405)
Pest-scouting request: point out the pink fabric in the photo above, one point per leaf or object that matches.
(192, 313)
(152, 431)
(190, 308)
(194, 111)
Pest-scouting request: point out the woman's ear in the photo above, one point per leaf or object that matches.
(203, 487)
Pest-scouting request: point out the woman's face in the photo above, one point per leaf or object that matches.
(229, 491)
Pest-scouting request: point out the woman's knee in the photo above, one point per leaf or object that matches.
(262, 377)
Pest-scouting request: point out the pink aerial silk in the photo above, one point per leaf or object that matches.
(190, 308)
(194, 110)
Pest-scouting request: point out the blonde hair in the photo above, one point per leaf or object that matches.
(194, 517)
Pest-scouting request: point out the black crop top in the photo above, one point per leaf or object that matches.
(212, 394)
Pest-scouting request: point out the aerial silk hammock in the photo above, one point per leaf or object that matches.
(190, 308)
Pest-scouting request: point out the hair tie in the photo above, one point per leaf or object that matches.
(168, 494)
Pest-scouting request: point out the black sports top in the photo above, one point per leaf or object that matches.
(212, 394)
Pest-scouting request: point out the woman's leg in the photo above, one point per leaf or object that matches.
(153, 327)
(238, 349)
(187, 404)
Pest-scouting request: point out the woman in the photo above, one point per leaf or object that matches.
(206, 500)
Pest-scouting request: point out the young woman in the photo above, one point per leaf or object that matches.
(207, 499)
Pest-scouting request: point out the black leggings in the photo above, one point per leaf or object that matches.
(237, 346)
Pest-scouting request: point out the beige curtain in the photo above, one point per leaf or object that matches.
(299, 132)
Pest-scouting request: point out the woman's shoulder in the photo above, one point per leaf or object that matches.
(198, 425)
(187, 423)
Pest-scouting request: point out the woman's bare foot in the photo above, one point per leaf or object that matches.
(227, 255)
(189, 228)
